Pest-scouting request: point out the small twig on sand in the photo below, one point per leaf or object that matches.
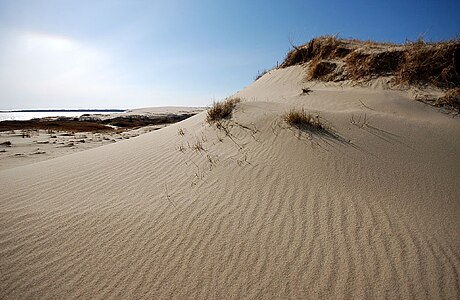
(366, 105)
(169, 197)
(306, 91)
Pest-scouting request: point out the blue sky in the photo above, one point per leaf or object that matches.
(127, 54)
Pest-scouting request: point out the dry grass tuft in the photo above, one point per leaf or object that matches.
(320, 69)
(324, 47)
(198, 146)
(420, 63)
(361, 64)
(181, 148)
(221, 110)
(260, 74)
(299, 119)
(433, 63)
(180, 131)
(451, 99)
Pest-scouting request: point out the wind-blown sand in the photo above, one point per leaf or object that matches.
(263, 212)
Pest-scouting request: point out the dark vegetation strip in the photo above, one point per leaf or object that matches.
(94, 125)
(64, 110)
(420, 62)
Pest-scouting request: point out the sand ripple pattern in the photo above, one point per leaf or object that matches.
(125, 222)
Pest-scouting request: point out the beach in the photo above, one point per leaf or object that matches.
(365, 206)
(27, 142)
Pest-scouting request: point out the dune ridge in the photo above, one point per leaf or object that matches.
(258, 210)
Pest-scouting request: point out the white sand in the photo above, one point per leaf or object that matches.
(370, 211)
(40, 145)
(153, 111)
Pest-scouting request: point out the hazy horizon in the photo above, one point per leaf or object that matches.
(84, 108)
(60, 109)
(131, 54)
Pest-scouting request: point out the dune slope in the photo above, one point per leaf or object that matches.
(258, 210)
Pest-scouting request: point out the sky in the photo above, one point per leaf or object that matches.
(140, 53)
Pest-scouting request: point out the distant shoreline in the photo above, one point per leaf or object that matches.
(62, 110)
(108, 120)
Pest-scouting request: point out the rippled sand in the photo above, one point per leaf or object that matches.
(257, 211)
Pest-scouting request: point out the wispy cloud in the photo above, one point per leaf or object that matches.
(39, 66)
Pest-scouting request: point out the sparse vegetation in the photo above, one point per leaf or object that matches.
(320, 69)
(434, 63)
(300, 119)
(52, 126)
(211, 161)
(198, 146)
(420, 63)
(180, 131)
(221, 110)
(260, 74)
(181, 148)
(364, 64)
(92, 125)
(451, 99)
(25, 133)
(324, 47)
(360, 121)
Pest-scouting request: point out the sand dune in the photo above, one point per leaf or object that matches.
(262, 211)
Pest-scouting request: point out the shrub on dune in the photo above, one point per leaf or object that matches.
(222, 110)
(300, 119)
(451, 99)
(413, 63)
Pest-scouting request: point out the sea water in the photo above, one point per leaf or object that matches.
(22, 115)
